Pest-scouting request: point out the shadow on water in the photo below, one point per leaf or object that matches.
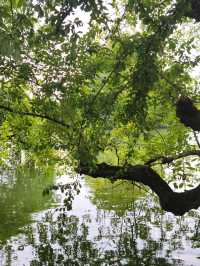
(109, 224)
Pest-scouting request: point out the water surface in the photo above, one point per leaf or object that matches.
(109, 224)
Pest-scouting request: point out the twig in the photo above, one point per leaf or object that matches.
(196, 138)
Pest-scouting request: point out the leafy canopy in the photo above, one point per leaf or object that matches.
(104, 91)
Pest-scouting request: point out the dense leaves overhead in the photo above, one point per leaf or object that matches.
(98, 79)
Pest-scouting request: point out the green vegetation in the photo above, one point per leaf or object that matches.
(81, 96)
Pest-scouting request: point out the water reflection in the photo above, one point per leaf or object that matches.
(20, 196)
(99, 230)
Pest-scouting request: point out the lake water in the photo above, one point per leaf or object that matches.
(108, 224)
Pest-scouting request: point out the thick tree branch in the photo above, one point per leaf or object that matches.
(187, 112)
(175, 202)
(46, 117)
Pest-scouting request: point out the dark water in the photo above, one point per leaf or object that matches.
(109, 224)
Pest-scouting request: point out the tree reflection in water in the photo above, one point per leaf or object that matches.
(142, 235)
(65, 242)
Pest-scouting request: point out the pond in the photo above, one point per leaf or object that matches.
(107, 224)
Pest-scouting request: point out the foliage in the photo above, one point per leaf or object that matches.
(108, 86)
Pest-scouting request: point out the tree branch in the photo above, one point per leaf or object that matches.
(42, 116)
(196, 138)
(170, 159)
(187, 112)
(175, 202)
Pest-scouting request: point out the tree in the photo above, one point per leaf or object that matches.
(105, 95)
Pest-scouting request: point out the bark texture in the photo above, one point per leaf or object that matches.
(188, 114)
(177, 203)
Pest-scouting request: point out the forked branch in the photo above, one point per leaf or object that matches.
(175, 202)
